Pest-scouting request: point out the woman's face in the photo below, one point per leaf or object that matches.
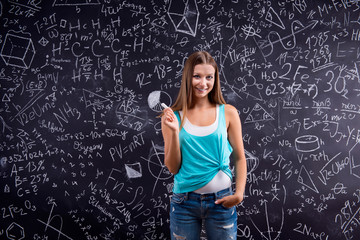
(203, 80)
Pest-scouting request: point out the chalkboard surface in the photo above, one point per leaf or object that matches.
(81, 82)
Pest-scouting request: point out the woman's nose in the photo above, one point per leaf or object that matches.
(203, 81)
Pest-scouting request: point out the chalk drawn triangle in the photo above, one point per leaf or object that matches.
(229, 24)
(258, 114)
(305, 179)
(133, 170)
(184, 26)
(176, 18)
(6, 98)
(274, 18)
(93, 99)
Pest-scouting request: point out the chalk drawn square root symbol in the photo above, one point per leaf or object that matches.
(17, 51)
(184, 15)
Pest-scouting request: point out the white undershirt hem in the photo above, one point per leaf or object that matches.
(219, 182)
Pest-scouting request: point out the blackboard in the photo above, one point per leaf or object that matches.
(81, 145)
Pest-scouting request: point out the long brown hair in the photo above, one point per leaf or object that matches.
(184, 99)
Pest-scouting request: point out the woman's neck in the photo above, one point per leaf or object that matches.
(202, 104)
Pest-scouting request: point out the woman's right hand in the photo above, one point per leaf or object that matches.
(170, 120)
(170, 132)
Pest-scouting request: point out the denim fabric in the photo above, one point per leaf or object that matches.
(188, 210)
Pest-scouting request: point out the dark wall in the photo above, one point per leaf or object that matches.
(81, 145)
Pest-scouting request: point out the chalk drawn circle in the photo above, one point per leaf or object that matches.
(249, 31)
(307, 143)
(155, 99)
(157, 169)
(157, 126)
(249, 80)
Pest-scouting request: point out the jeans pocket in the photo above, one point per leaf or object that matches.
(226, 207)
(222, 195)
(178, 197)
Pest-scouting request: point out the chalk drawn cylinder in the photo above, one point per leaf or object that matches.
(307, 143)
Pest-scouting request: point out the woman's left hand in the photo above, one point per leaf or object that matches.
(230, 201)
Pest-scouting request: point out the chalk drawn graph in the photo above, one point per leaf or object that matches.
(271, 232)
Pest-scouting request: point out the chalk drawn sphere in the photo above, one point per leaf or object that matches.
(155, 99)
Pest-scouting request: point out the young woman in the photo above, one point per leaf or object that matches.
(200, 132)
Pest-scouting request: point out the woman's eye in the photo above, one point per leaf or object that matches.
(196, 76)
(209, 77)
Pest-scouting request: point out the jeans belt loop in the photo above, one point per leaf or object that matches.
(216, 196)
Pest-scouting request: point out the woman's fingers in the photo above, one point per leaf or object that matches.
(169, 114)
(169, 117)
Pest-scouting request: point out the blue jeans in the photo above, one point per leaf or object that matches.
(188, 210)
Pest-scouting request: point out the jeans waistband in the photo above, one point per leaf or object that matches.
(215, 195)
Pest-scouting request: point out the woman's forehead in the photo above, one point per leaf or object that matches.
(204, 68)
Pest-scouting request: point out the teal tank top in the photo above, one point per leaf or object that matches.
(202, 156)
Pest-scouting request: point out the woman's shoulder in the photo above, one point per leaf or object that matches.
(231, 112)
(230, 109)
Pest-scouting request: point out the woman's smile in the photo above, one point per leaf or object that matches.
(203, 79)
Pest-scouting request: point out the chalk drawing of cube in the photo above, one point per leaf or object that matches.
(184, 15)
(17, 51)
